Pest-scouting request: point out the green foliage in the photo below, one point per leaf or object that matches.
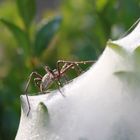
(42, 37)
(89, 24)
(45, 35)
(27, 9)
(19, 34)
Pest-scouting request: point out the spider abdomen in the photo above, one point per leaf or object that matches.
(47, 81)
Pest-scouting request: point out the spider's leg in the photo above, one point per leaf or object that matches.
(63, 67)
(78, 68)
(63, 72)
(37, 81)
(48, 70)
(29, 106)
(78, 62)
(58, 83)
(66, 79)
(69, 64)
(66, 66)
(59, 62)
(26, 88)
(58, 66)
(35, 74)
(75, 65)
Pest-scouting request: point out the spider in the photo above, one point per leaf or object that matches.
(51, 76)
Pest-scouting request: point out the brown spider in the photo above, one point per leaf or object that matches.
(51, 76)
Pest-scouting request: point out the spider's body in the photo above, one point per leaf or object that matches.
(46, 81)
(51, 76)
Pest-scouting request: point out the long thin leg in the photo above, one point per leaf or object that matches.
(29, 79)
(68, 64)
(66, 69)
(29, 106)
(65, 78)
(48, 70)
(58, 66)
(78, 69)
(26, 88)
(61, 68)
(58, 83)
(76, 62)
(37, 81)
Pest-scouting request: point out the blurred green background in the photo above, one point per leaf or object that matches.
(33, 33)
